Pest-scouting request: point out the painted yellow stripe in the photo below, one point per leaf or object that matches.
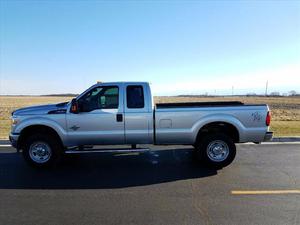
(266, 192)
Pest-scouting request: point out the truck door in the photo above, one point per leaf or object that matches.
(100, 119)
(138, 117)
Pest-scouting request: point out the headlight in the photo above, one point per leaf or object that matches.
(14, 121)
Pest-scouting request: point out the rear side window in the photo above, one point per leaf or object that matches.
(135, 96)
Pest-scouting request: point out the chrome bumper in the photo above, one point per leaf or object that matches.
(13, 138)
(268, 136)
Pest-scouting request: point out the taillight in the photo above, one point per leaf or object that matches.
(268, 118)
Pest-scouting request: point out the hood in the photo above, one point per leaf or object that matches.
(59, 108)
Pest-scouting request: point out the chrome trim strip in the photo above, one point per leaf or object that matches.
(107, 151)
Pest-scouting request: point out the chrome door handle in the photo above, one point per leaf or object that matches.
(119, 117)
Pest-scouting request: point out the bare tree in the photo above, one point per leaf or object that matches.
(292, 93)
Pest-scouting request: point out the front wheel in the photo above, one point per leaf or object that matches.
(216, 150)
(42, 150)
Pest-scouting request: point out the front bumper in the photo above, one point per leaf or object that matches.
(13, 138)
(268, 136)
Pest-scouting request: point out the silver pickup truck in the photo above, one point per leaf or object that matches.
(122, 113)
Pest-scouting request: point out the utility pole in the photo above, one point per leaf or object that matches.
(266, 92)
(232, 90)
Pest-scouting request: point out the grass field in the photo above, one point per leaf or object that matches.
(285, 110)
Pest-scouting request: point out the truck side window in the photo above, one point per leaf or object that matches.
(135, 96)
(99, 98)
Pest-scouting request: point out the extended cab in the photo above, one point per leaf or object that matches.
(123, 113)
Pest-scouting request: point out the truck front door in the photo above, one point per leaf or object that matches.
(100, 119)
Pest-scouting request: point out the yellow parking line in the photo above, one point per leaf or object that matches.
(266, 192)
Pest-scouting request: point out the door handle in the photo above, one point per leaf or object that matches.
(119, 117)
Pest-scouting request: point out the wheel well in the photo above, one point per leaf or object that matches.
(26, 132)
(219, 127)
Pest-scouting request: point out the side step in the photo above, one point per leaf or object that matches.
(118, 150)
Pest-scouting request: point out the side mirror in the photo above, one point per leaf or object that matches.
(74, 106)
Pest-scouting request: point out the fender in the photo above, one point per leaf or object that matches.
(42, 121)
(217, 118)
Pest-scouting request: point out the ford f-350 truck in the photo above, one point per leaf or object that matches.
(122, 113)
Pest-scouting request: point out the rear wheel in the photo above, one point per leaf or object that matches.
(216, 150)
(42, 150)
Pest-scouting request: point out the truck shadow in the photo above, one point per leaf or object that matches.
(104, 170)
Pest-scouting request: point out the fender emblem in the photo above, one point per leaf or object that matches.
(74, 128)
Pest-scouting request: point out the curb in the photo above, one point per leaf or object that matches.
(286, 139)
(4, 142)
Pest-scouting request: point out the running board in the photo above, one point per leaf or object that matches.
(108, 150)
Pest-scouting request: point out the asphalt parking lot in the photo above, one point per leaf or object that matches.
(162, 186)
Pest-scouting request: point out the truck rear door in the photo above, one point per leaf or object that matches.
(138, 116)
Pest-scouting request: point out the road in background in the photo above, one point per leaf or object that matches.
(162, 186)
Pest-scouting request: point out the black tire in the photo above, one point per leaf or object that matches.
(51, 142)
(205, 145)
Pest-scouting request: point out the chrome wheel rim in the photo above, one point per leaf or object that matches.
(40, 152)
(217, 151)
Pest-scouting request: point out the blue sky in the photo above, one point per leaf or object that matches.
(180, 47)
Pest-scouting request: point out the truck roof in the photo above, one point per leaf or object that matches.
(112, 84)
(123, 82)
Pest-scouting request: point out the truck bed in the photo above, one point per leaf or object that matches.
(179, 122)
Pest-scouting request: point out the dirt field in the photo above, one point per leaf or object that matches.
(285, 110)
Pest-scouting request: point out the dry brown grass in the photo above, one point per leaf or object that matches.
(285, 110)
(11, 103)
